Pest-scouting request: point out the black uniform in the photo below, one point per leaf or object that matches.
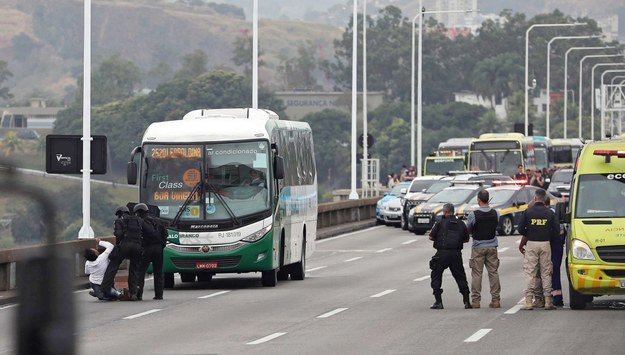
(154, 240)
(128, 231)
(449, 234)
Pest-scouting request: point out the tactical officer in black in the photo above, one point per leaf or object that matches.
(448, 234)
(128, 233)
(154, 240)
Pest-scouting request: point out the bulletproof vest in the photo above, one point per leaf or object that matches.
(538, 219)
(449, 236)
(485, 225)
(133, 230)
(151, 233)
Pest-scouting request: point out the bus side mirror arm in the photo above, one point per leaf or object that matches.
(131, 168)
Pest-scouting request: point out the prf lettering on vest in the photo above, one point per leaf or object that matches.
(539, 221)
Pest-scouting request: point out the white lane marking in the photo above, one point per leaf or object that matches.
(503, 249)
(384, 250)
(477, 336)
(353, 259)
(316, 268)
(266, 339)
(514, 309)
(409, 241)
(347, 234)
(423, 278)
(9, 306)
(143, 313)
(331, 313)
(521, 301)
(213, 294)
(80, 291)
(383, 293)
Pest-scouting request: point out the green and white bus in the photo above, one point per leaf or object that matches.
(237, 189)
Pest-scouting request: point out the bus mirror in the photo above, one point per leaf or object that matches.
(131, 173)
(278, 167)
(561, 212)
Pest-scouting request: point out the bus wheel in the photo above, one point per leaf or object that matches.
(578, 300)
(169, 280)
(187, 277)
(270, 278)
(507, 227)
(204, 277)
(298, 270)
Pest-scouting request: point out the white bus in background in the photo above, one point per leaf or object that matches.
(454, 147)
(237, 189)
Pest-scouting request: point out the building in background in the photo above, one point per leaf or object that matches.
(300, 103)
(35, 116)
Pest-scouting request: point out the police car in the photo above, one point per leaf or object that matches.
(510, 199)
(422, 217)
(395, 192)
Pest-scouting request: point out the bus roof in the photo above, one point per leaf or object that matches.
(502, 136)
(219, 125)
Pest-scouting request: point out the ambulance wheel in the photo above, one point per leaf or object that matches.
(578, 300)
(169, 279)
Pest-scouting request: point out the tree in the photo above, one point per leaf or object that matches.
(242, 54)
(193, 65)
(115, 79)
(23, 46)
(11, 143)
(4, 75)
(498, 77)
(331, 132)
(298, 73)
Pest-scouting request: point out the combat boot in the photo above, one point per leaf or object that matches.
(549, 303)
(438, 303)
(539, 302)
(528, 304)
(467, 302)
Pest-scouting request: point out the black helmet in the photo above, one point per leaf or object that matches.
(121, 210)
(140, 207)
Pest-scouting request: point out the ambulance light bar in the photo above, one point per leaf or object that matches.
(609, 153)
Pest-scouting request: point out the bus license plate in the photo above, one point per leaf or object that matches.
(622, 283)
(423, 220)
(206, 265)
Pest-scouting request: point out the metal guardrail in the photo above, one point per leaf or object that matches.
(329, 215)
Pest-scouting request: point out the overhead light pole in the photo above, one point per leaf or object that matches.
(527, 37)
(419, 84)
(592, 95)
(566, 78)
(603, 101)
(255, 55)
(365, 133)
(353, 195)
(86, 232)
(581, 67)
(548, 113)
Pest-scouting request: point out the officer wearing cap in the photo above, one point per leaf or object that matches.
(538, 225)
(449, 233)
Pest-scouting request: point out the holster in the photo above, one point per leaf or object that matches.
(434, 262)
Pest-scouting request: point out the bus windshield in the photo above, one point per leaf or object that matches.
(502, 161)
(235, 180)
(600, 195)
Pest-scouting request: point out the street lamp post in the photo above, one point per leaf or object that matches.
(255, 55)
(566, 78)
(419, 82)
(527, 37)
(581, 67)
(603, 101)
(353, 195)
(592, 95)
(547, 131)
(365, 147)
(86, 232)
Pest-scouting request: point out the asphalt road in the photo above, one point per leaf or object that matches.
(366, 292)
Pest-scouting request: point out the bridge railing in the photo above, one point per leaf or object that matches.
(332, 218)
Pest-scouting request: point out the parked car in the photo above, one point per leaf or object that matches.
(560, 185)
(394, 193)
(391, 212)
(510, 201)
(422, 217)
(417, 188)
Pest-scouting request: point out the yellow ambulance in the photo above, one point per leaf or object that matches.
(595, 246)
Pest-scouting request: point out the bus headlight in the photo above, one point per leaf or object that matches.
(581, 250)
(257, 235)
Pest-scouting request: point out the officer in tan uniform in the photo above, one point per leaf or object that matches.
(538, 226)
